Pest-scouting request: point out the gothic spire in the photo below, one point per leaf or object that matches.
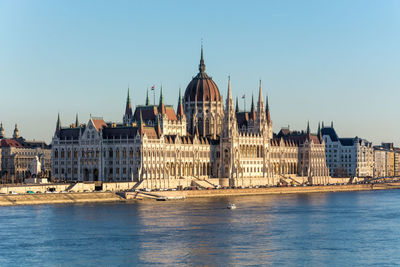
(179, 111)
(158, 129)
(308, 127)
(76, 120)
(237, 105)
(319, 128)
(260, 96)
(147, 98)
(128, 108)
(58, 126)
(267, 112)
(141, 122)
(252, 110)
(229, 94)
(202, 66)
(161, 106)
(319, 132)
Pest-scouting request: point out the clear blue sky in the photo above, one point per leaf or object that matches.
(319, 60)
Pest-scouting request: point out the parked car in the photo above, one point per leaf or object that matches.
(13, 193)
(30, 192)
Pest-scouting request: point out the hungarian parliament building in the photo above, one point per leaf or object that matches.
(203, 142)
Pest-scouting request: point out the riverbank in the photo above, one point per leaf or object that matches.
(58, 198)
(96, 197)
(276, 190)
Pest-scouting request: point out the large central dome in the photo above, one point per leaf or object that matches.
(202, 86)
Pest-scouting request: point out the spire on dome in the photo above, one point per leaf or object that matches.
(161, 106)
(202, 66)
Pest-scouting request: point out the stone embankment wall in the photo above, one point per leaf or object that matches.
(276, 190)
(58, 198)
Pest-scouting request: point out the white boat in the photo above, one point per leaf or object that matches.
(231, 206)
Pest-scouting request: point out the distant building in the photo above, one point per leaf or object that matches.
(387, 160)
(379, 162)
(17, 155)
(348, 157)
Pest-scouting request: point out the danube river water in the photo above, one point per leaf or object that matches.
(329, 229)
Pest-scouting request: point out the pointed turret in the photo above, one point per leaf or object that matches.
(252, 110)
(147, 98)
(76, 120)
(161, 106)
(16, 132)
(260, 104)
(202, 66)
(128, 108)
(58, 126)
(237, 105)
(308, 127)
(331, 124)
(230, 124)
(229, 93)
(267, 113)
(179, 110)
(260, 123)
(319, 132)
(158, 129)
(127, 118)
(141, 126)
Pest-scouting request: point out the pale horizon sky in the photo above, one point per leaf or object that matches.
(319, 60)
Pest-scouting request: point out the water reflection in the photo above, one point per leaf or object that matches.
(338, 229)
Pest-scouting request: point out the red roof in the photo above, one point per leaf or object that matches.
(10, 143)
(150, 113)
(99, 123)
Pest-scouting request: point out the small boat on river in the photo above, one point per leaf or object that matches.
(231, 206)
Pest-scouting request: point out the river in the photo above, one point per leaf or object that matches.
(327, 229)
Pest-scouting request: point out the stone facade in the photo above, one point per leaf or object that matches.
(203, 143)
(348, 156)
(17, 154)
(387, 160)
